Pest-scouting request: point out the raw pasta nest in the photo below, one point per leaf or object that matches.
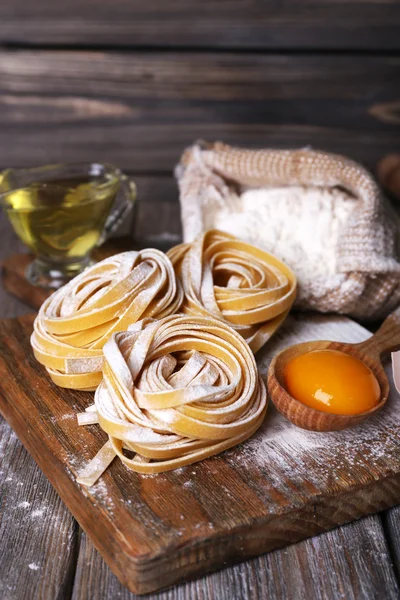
(224, 277)
(77, 320)
(175, 391)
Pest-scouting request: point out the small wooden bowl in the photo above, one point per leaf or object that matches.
(386, 339)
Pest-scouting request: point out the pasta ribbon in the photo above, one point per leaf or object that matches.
(175, 391)
(244, 286)
(76, 321)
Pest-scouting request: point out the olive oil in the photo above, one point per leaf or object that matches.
(60, 219)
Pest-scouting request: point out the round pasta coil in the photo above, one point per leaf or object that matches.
(244, 286)
(175, 391)
(76, 321)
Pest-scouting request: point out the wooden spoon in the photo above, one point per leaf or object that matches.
(370, 352)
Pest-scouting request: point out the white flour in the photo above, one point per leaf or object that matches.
(279, 220)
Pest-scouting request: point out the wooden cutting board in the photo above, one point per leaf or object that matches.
(279, 487)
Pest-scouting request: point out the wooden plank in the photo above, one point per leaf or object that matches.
(38, 535)
(355, 24)
(279, 487)
(391, 521)
(350, 562)
(158, 219)
(140, 110)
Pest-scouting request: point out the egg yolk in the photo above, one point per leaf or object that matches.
(332, 381)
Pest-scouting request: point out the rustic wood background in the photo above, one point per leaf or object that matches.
(133, 83)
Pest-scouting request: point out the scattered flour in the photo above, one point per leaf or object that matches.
(100, 490)
(34, 566)
(38, 513)
(68, 416)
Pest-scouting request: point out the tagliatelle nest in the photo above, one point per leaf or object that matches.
(224, 277)
(77, 320)
(175, 391)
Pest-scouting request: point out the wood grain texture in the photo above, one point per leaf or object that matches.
(158, 218)
(391, 521)
(140, 110)
(277, 488)
(13, 270)
(351, 562)
(38, 535)
(353, 24)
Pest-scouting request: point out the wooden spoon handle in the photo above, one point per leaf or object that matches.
(386, 339)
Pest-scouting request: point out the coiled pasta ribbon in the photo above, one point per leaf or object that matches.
(77, 320)
(247, 288)
(175, 391)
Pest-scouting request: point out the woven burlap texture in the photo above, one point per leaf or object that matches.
(368, 249)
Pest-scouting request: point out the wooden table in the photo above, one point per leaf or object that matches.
(133, 83)
(44, 554)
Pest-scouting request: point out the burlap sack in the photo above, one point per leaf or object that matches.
(363, 276)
